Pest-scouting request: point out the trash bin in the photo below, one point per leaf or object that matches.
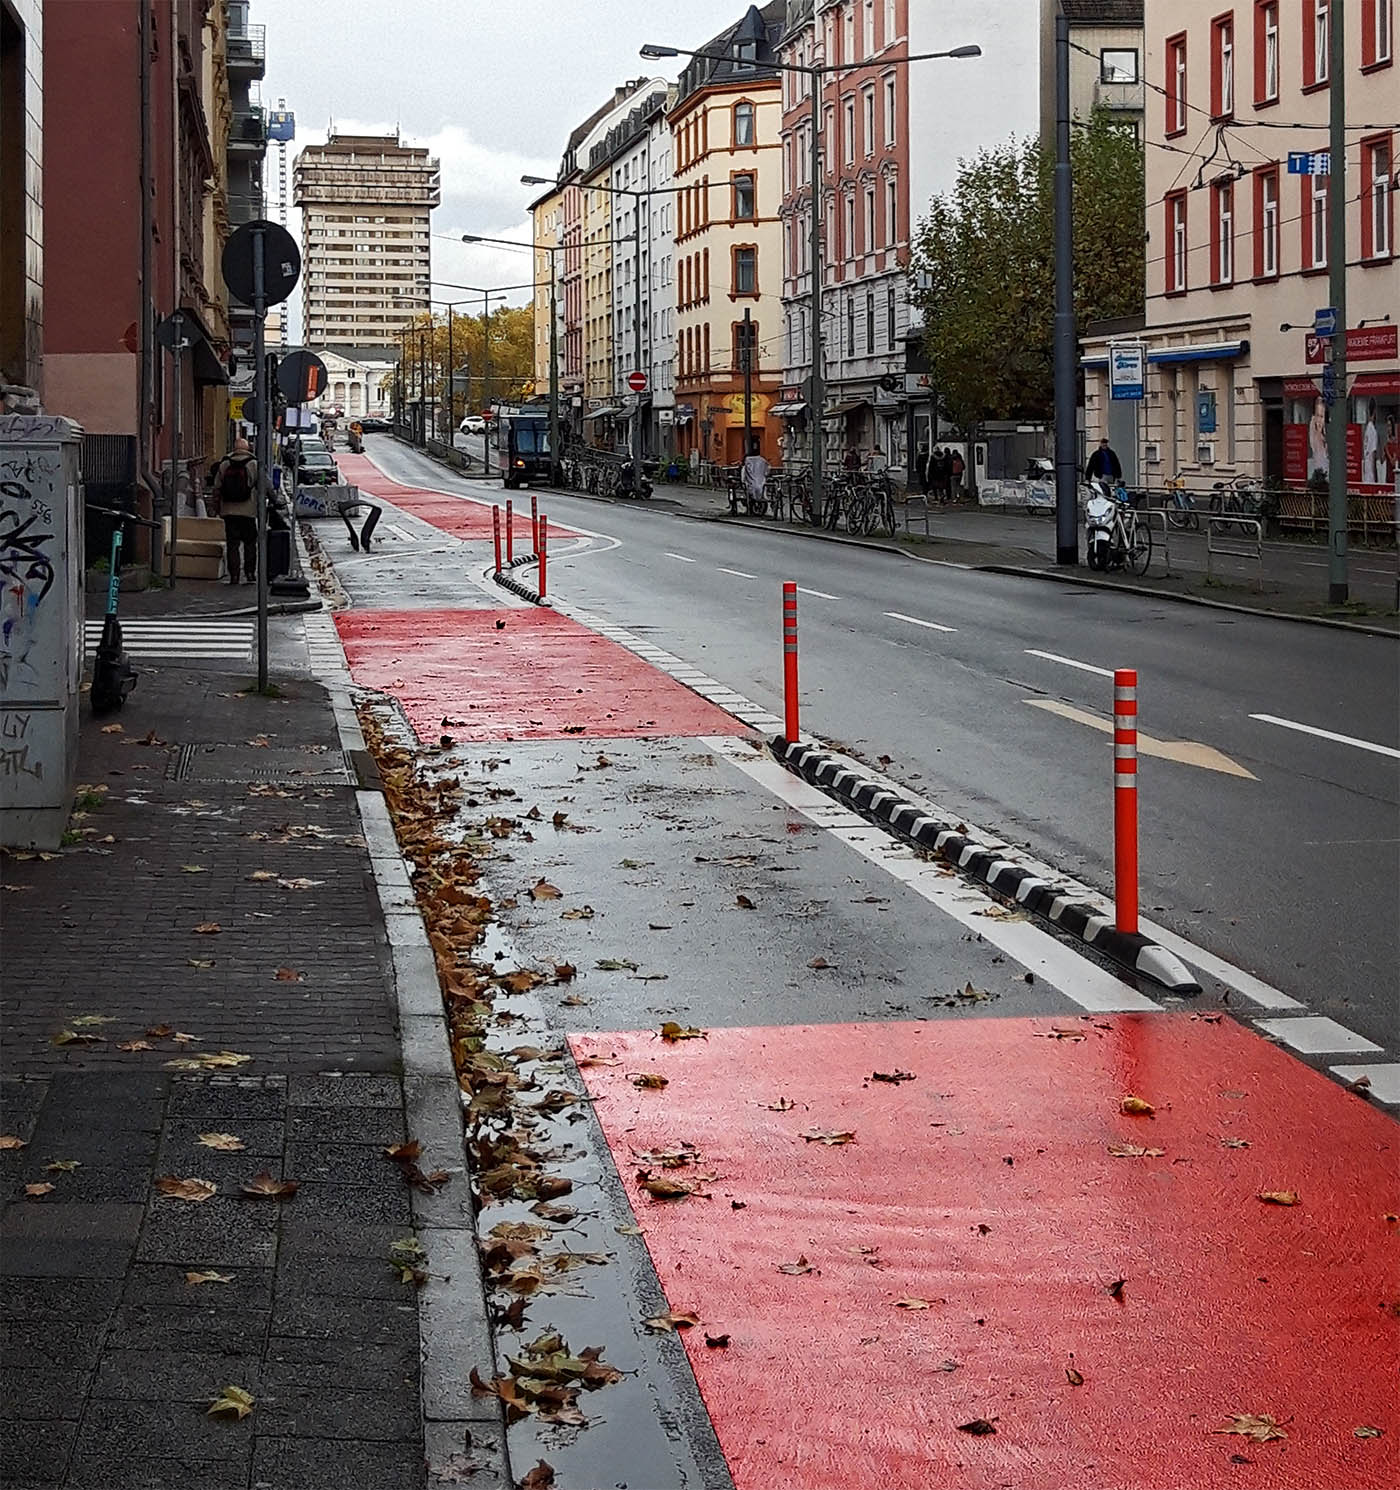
(41, 625)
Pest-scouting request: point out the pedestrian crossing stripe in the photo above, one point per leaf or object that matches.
(179, 637)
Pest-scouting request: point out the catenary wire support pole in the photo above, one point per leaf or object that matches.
(176, 439)
(544, 551)
(510, 531)
(1066, 443)
(1125, 802)
(496, 533)
(555, 452)
(790, 726)
(814, 240)
(747, 355)
(262, 394)
(1337, 589)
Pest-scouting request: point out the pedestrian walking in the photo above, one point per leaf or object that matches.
(754, 473)
(956, 467)
(921, 474)
(938, 465)
(235, 488)
(1104, 463)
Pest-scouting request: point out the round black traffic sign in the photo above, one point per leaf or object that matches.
(301, 376)
(281, 261)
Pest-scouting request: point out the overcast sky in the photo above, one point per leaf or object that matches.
(493, 89)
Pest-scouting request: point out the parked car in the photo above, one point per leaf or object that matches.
(316, 468)
(375, 424)
(473, 424)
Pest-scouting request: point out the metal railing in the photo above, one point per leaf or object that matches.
(246, 44)
(1234, 537)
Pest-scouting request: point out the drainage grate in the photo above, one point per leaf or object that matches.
(232, 764)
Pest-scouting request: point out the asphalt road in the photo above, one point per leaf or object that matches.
(981, 689)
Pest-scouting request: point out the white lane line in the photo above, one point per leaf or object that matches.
(1383, 1080)
(1080, 980)
(1084, 667)
(738, 573)
(820, 594)
(1315, 1034)
(681, 557)
(1327, 734)
(895, 615)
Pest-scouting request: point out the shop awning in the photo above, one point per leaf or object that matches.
(1376, 383)
(205, 363)
(1205, 351)
(849, 407)
(610, 412)
(788, 411)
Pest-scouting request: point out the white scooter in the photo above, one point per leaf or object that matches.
(1103, 547)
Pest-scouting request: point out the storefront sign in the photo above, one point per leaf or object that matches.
(1127, 366)
(1364, 344)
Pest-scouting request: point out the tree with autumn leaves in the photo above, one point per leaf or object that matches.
(986, 252)
(508, 375)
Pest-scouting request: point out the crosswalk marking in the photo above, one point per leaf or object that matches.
(180, 637)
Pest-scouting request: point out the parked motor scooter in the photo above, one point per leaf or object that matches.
(1100, 527)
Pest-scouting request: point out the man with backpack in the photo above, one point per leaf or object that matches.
(236, 487)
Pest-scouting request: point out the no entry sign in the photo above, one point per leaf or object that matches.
(637, 382)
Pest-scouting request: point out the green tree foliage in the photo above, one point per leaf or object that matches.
(987, 250)
(511, 368)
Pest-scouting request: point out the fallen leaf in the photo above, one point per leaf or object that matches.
(1279, 1197)
(161, 1031)
(978, 1426)
(744, 903)
(1136, 1107)
(204, 962)
(1260, 1427)
(717, 1342)
(404, 1153)
(44, 1188)
(227, 1143)
(11, 1141)
(411, 1261)
(820, 963)
(1366, 1430)
(663, 1323)
(543, 890)
(564, 972)
(209, 1060)
(298, 884)
(192, 1189)
(261, 876)
(574, 1001)
(232, 1402)
(194, 869)
(796, 1269)
(541, 1477)
(1234, 1143)
(84, 1021)
(948, 1365)
(263, 1187)
(62, 1166)
(663, 1188)
(135, 1045)
(1056, 1033)
(830, 1139)
(578, 913)
(210, 1277)
(650, 1080)
(783, 1104)
(1134, 1151)
(671, 1031)
(208, 928)
(112, 729)
(615, 965)
(911, 1303)
(1074, 1377)
(71, 1037)
(893, 1077)
(289, 975)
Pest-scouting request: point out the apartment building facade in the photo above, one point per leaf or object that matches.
(1238, 250)
(726, 130)
(547, 234)
(22, 201)
(366, 205)
(1105, 61)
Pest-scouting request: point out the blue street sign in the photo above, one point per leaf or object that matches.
(1329, 385)
(1309, 162)
(1325, 321)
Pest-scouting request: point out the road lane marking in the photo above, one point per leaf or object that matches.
(1327, 734)
(895, 615)
(1084, 667)
(1314, 1034)
(1185, 752)
(681, 557)
(1079, 979)
(1382, 1078)
(820, 594)
(738, 573)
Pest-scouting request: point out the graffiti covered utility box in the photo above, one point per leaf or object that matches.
(41, 625)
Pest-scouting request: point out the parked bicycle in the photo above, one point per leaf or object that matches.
(1239, 497)
(1181, 508)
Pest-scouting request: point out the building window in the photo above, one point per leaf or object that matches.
(1265, 52)
(891, 111)
(868, 109)
(869, 323)
(1176, 84)
(1222, 233)
(743, 123)
(1266, 223)
(891, 24)
(1377, 199)
(744, 206)
(848, 34)
(745, 345)
(891, 212)
(1314, 216)
(890, 305)
(850, 326)
(1377, 26)
(870, 219)
(1222, 66)
(1118, 65)
(746, 270)
(848, 145)
(1176, 242)
(867, 29)
(849, 246)
(1317, 38)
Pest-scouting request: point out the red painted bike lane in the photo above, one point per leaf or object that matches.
(1000, 1247)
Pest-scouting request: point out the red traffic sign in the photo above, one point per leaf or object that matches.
(637, 382)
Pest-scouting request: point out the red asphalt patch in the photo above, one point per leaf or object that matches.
(460, 516)
(541, 677)
(985, 1189)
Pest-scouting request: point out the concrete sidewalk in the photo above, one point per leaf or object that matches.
(199, 988)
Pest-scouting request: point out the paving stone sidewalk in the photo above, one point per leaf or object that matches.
(110, 1356)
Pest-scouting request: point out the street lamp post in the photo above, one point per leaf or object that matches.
(813, 73)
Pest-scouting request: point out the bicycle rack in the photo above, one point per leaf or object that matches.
(1242, 548)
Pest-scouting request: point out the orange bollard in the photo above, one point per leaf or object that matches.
(496, 533)
(534, 523)
(510, 532)
(790, 730)
(1125, 803)
(544, 550)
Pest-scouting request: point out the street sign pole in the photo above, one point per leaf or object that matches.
(1066, 453)
(177, 439)
(1337, 286)
(263, 395)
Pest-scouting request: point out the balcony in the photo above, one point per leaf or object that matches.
(246, 48)
(247, 132)
(1121, 98)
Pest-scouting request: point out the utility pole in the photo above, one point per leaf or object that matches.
(637, 330)
(1337, 590)
(814, 234)
(486, 382)
(422, 390)
(262, 394)
(1066, 442)
(746, 361)
(177, 437)
(451, 437)
(554, 448)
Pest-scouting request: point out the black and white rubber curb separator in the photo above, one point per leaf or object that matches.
(508, 581)
(1140, 954)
